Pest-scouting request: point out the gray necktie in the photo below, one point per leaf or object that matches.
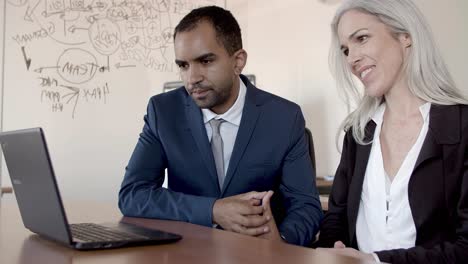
(217, 148)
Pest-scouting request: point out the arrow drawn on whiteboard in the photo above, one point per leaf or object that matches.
(26, 59)
(118, 66)
(75, 92)
(29, 12)
(39, 70)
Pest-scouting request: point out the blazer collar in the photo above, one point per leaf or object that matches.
(250, 115)
(197, 127)
(445, 123)
(253, 100)
(444, 129)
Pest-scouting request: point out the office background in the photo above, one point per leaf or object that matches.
(92, 132)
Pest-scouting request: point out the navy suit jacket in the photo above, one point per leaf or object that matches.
(270, 153)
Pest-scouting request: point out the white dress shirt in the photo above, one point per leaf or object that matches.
(384, 218)
(229, 128)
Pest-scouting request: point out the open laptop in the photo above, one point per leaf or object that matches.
(41, 207)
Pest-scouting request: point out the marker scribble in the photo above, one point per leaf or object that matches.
(79, 46)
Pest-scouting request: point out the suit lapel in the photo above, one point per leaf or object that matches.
(355, 189)
(250, 114)
(444, 128)
(429, 149)
(197, 127)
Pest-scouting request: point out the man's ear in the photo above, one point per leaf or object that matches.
(240, 59)
(406, 40)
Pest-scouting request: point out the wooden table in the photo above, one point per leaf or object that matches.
(199, 244)
(6, 190)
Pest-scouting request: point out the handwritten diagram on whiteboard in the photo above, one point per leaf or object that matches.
(75, 52)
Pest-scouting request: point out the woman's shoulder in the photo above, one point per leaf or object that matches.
(455, 114)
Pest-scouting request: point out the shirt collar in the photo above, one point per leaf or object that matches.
(234, 114)
(424, 109)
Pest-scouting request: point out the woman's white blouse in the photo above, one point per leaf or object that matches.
(384, 219)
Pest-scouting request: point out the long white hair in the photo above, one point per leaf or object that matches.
(427, 74)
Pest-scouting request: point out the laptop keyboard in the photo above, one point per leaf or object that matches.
(89, 232)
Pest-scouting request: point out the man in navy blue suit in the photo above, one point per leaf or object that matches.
(227, 146)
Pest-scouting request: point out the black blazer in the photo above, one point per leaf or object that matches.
(437, 191)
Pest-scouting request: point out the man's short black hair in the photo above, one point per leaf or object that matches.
(228, 32)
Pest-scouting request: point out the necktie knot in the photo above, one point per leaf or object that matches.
(215, 123)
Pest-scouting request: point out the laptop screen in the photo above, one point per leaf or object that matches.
(34, 183)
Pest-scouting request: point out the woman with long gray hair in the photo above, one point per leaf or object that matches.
(400, 193)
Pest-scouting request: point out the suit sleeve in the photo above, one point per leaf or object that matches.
(298, 189)
(449, 251)
(334, 226)
(141, 193)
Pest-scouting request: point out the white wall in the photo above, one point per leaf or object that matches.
(287, 43)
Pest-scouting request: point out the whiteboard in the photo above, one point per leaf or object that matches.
(84, 70)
